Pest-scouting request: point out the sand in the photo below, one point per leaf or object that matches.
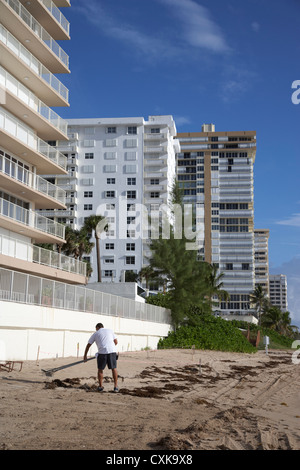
(168, 400)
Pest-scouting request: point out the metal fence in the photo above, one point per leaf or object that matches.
(25, 288)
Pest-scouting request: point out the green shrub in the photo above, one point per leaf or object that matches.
(210, 333)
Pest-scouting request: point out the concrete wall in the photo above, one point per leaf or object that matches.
(30, 331)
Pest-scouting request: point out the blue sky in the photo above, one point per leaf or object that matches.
(231, 63)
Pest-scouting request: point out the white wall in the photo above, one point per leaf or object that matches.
(26, 330)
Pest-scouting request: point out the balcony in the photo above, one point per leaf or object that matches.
(62, 3)
(25, 67)
(21, 140)
(27, 252)
(50, 17)
(60, 213)
(23, 183)
(155, 149)
(155, 136)
(26, 106)
(18, 19)
(29, 223)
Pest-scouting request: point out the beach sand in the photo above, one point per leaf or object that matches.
(168, 400)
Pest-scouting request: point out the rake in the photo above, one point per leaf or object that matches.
(50, 372)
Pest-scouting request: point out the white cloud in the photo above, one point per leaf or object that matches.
(131, 37)
(198, 28)
(193, 27)
(293, 221)
(255, 26)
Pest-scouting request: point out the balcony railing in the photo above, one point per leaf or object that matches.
(25, 251)
(34, 290)
(35, 26)
(57, 14)
(26, 96)
(33, 63)
(33, 181)
(23, 133)
(31, 219)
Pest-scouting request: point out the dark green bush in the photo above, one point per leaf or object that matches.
(210, 333)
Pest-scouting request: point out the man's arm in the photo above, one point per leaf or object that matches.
(86, 351)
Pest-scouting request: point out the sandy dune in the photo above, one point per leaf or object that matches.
(168, 399)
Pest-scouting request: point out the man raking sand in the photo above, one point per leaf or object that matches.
(106, 342)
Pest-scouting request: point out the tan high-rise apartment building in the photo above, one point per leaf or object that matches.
(30, 58)
(215, 170)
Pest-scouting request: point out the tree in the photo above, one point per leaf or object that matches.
(90, 225)
(147, 273)
(258, 299)
(215, 284)
(77, 243)
(184, 274)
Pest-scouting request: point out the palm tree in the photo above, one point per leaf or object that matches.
(215, 284)
(90, 225)
(258, 298)
(77, 243)
(147, 273)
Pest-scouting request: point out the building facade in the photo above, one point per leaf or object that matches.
(278, 291)
(261, 238)
(215, 171)
(30, 59)
(123, 169)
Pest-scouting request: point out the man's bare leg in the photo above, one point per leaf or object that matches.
(100, 377)
(115, 377)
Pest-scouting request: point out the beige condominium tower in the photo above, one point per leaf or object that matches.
(30, 59)
(215, 170)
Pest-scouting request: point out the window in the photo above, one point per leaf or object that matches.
(89, 130)
(130, 220)
(110, 155)
(130, 169)
(229, 267)
(130, 156)
(130, 143)
(88, 169)
(109, 260)
(108, 273)
(88, 207)
(89, 156)
(109, 168)
(110, 142)
(88, 194)
(131, 194)
(131, 181)
(130, 259)
(130, 246)
(130, 207)
(88, 143)
(109, 246)
(155, 130)
(110, 206)
(87, 182)
(130, 233)
(245, 266)
(111, 180)
(154, 194)
(111, 130)
(154, 181)
(132, 130)
(110, 193)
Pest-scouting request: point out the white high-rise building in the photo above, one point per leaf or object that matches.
(278, 291)
(121, 168)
